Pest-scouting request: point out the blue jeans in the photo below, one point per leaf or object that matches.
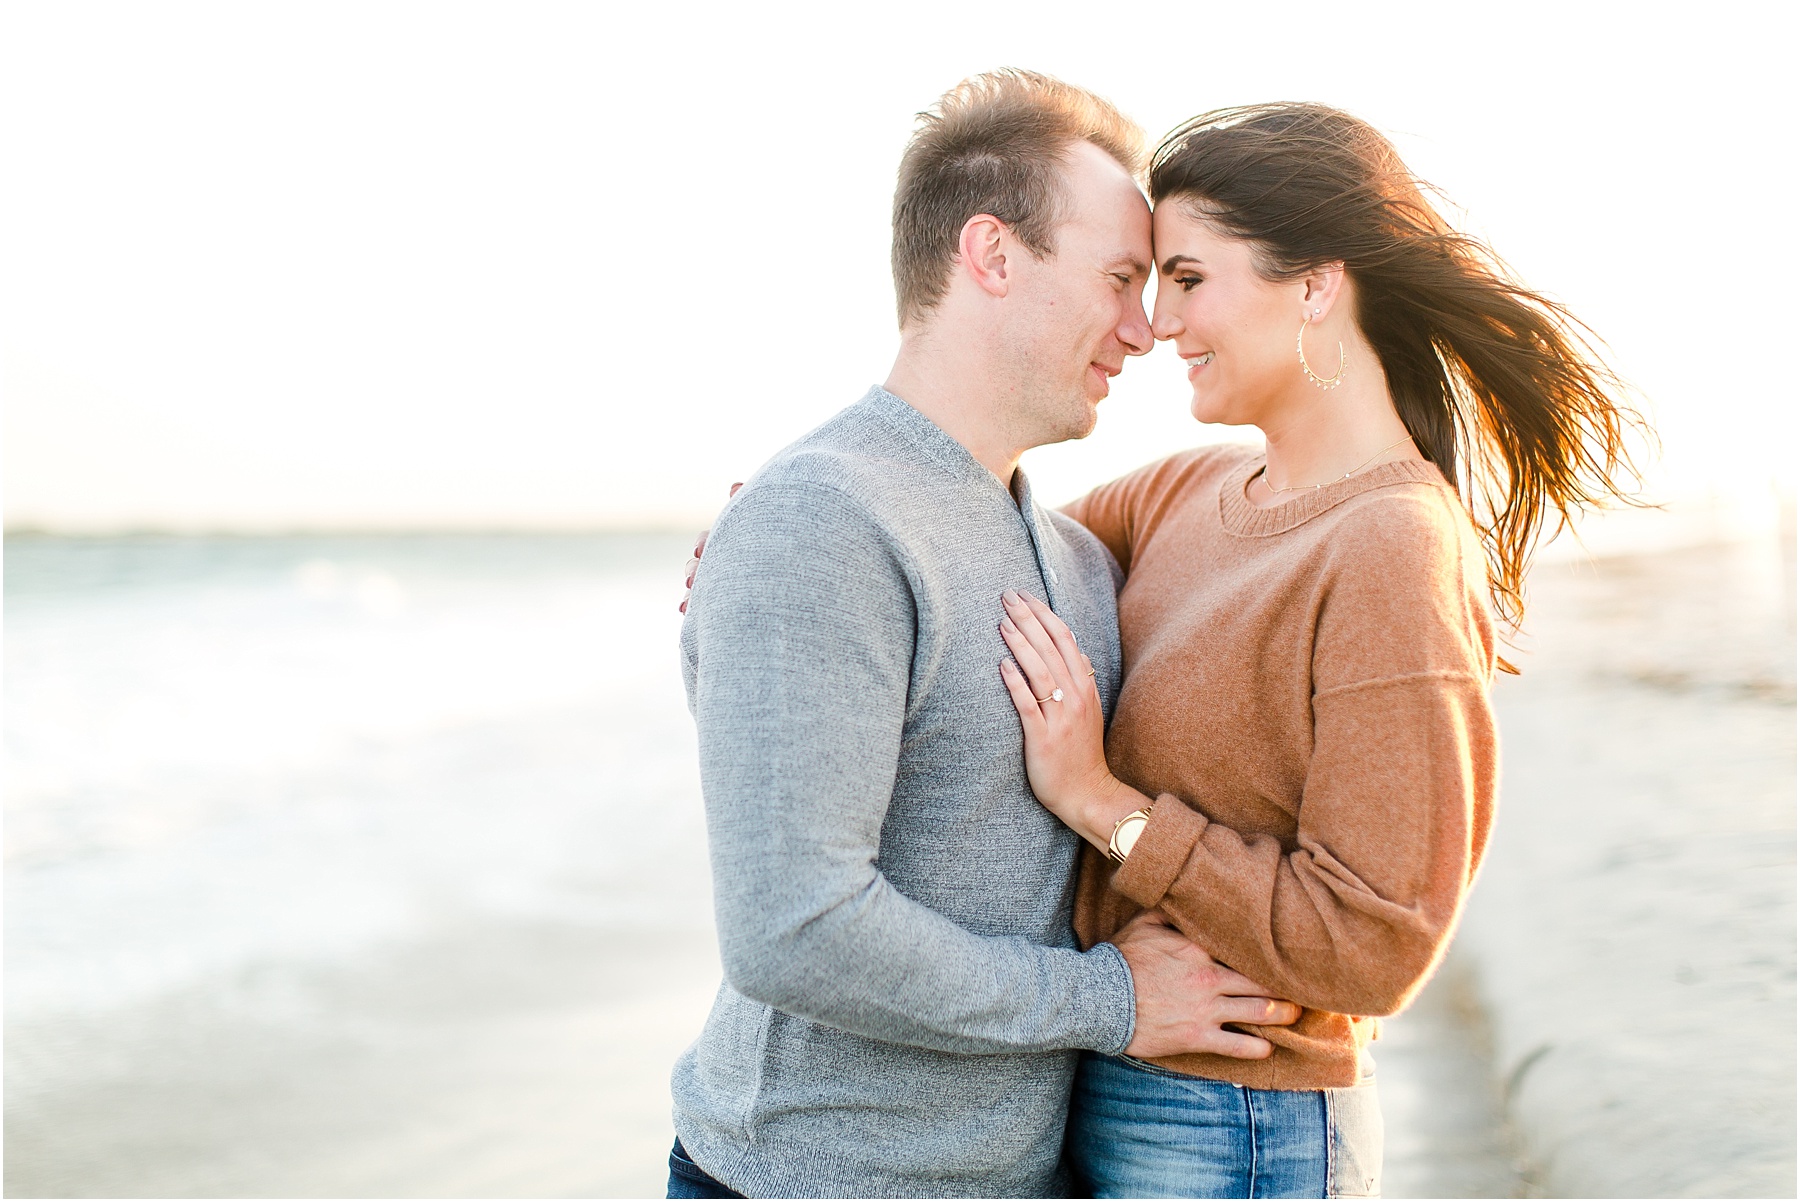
(689, 1180)
(1139, 1131)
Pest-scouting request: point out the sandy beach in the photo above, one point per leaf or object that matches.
(1617, 1017)
(1632, 937)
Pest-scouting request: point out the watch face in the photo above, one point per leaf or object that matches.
(1129, 831)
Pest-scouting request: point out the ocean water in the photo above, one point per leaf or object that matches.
(227, 752)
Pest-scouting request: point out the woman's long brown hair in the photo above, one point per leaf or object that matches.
(1499, 386)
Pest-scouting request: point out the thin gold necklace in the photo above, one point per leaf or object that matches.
(1315, 487)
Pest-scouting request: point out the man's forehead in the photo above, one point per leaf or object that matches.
(1128, 260)
(1126, 241)
(1107, 201)
(1092, 171)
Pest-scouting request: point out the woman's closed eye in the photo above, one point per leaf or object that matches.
(1188, 282)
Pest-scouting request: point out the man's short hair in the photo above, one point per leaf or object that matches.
(993, 144)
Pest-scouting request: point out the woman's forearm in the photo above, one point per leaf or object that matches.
(1298, 922)
(1095, 815)
(1351, 911)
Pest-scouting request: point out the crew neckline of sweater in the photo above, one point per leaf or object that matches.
(1242, 518)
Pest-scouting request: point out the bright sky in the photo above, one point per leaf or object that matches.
(321, 264)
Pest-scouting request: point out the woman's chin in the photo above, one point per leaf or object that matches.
(1208, 411)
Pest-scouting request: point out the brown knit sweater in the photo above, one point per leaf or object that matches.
(1306, 696)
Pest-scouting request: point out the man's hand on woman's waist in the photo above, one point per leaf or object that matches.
(1184, 996)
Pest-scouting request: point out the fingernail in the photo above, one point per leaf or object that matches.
(684, 607)
(690, 582)
(1009, 596)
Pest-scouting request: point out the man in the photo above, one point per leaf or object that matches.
(904, 1001)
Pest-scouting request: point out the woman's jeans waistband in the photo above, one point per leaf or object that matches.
(1139, 1131)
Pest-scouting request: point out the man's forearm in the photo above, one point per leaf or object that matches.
(881, 965)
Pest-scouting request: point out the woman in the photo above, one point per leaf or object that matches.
(1301, 768)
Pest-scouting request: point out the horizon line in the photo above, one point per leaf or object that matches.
(33, 530)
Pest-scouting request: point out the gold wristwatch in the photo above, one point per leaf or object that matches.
(1125, 834)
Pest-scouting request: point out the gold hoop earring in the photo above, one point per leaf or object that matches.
(1327, 383)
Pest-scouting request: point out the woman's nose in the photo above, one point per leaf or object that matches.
(1166, 326)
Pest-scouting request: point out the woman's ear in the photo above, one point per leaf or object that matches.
(1321, 291)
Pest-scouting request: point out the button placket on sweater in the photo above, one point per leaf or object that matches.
(1029, 514)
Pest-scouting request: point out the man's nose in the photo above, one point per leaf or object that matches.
(1134, 331)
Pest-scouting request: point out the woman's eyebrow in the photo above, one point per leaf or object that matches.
(1174, 261)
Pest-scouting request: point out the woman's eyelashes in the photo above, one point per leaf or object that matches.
(1188, 281)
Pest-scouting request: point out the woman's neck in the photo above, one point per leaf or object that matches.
(1323, 434)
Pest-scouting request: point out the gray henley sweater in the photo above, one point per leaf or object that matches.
(903, 992)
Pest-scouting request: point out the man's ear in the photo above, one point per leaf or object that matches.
(981, 253)
(1321, 290)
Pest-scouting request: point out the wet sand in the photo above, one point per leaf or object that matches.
(1443, 1108)
(519, 1061)
(1617, 1016)
(1632, 936)
(523, 1060)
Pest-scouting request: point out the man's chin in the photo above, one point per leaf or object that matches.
(1072, 418)
(1081, 424)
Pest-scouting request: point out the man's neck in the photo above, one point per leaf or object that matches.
(949, 386)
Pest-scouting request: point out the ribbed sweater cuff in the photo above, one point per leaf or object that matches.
(1160, 853)
(1117, 1022)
